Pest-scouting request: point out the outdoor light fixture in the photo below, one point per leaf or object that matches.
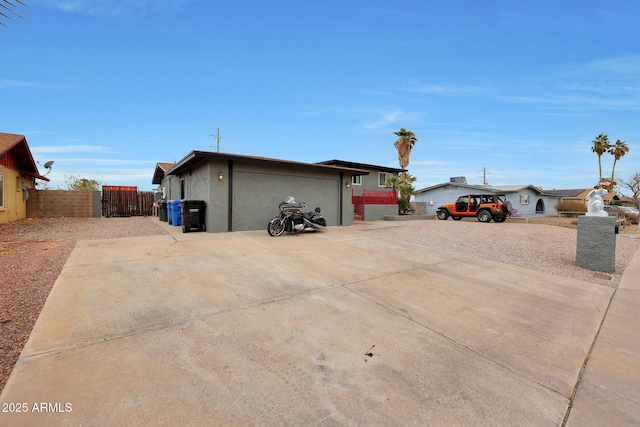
(220, 176)
(348, 185)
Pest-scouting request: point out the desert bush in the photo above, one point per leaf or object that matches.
(571, 206)
(404, 207)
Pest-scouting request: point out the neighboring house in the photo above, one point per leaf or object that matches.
(18, 173)
(159, 174)
(528, 200)
(581, 195)
(372, 199)
(243, 192)
(376, 180)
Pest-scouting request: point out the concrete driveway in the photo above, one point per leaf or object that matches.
(333, 328)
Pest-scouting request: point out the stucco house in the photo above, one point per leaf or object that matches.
(371, 197)
(528, 200)
(159, 174)
(243, 192)
(581, 195)
(18, 174)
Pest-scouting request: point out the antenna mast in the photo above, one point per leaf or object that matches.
(217, 136)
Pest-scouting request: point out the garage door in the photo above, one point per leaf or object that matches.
(256, 195)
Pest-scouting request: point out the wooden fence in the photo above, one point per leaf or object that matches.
(120, 201)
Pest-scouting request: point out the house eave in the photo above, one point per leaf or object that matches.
(195, 157)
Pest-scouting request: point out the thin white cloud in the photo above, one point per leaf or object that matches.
(416, 86)
(11, 84)
(57, 149)
(398, 117)
(610, 84)
(129, 172)
(115, 8)
(579, 101)
(621, 66)
(430, 163)
(387, 118)
(109, 162)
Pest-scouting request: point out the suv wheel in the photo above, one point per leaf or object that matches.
(484, 216)
(443, 215)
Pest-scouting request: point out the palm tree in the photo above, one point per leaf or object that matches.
(406, 187)
(404, 144)
(617, 150)
(407, 179)
(600, 146)
(9, 8)
(394, 182)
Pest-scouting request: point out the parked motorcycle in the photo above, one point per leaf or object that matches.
(293, 220)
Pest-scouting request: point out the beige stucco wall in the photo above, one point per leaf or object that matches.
(14, 206)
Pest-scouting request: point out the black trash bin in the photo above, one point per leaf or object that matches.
(162, 210)
(193, 215)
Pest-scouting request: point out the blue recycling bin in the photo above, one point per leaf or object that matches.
(175, 213)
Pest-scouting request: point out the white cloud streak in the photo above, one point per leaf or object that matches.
(416, 86)
(611, 84)
(58, 149)
(22, 84)
(115, 8)
(387, 118)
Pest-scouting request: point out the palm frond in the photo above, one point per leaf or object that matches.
(14, 9)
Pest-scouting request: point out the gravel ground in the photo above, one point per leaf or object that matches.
(548, 248)
(33, 252)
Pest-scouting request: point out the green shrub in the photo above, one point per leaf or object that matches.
(404, 207)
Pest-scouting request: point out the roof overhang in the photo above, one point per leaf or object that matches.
(195, 157)
(17, 145)
(365, 166)
(160, 172)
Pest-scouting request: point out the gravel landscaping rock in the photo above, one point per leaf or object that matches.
(547, 248)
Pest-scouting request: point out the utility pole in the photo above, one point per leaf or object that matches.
(217, 136)
(484, 176)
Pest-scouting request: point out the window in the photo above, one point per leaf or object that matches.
(1, 189)
(382, 178)
(356, 180)
(524, 199)
(181, 189)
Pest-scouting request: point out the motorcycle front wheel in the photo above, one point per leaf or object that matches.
(275, 227)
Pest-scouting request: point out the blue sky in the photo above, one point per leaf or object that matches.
(106, 89)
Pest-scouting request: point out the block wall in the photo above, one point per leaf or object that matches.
(62, 203)
(596, 243)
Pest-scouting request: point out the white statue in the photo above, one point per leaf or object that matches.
(595, 205)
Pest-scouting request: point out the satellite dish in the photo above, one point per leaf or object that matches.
(48, 164)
